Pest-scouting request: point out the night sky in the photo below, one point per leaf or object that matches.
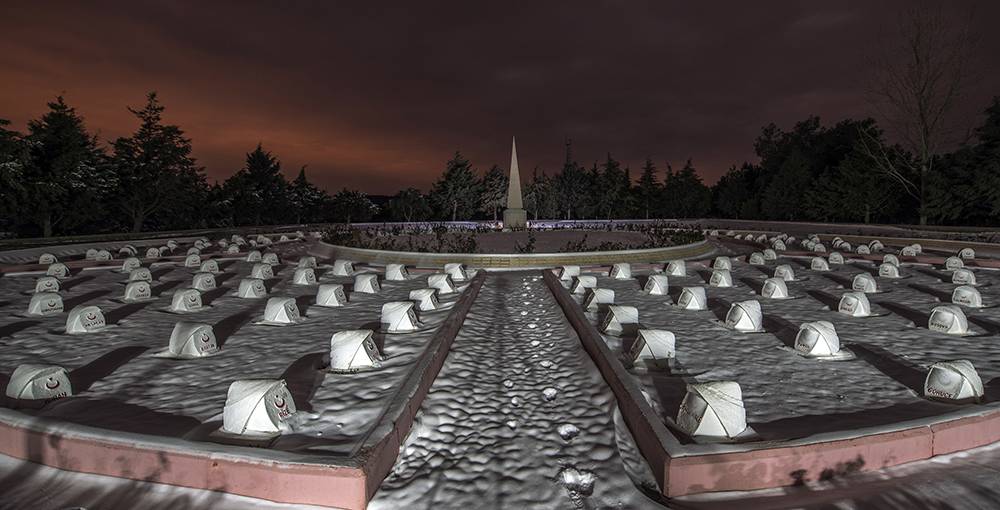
(379, 98)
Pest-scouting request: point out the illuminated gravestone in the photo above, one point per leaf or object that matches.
(233, 249)
(653, 347)
(713, 410)
(304, 276)
(193, 260)
(209, 266)
(253, 256)
(835, 258)
(192, 340)
(908, 251)
(270, 258)
(846, 247)
(280, 311)
(819, 248)
(567, 273)
(354, 350)
(948, 319)
(128, 251)
(887, 270)
(837, 240)
(342, 268)
(785, 272)
(257, 408)
(366, 284)
(47, 284)
(396, 273)
(198, 245)
(855, 304)
(185, 300)
(745, 316)
(596, 297)
(779, 245)
(721, 278)
(306, 262)
(738, 237)
(283, 239)
(103, 256)
(39, 382)
(442, 282)
(953, 263)
(676, 268)
(731, 233)
(762, 239)
(251, 288)
(917, 248)
(58, 270)
(967, 254)
(164, 250)
(137, 291)
(656, 285)
(692, 298)
(457, 272)
(172, 244)
(963, 277)
(890, 259)
(195, 250)
(819, 264)
(91, 254)
(44, 304)
(331, 295)
(862, 250)
(203, 281)
(582, 283)
(756, 258)
(817, 339)
(770, 254)
(222, 243)
(955, 380)
(46, 259)
(808, 244)
(866, 283)
(774, 288)
(261, 271)
(153, 253)
(875, 246)
(85, 319)
(967, 295)
(620, 320)
(722, 262)
(399, 317)
(130, 264)
(621, 271)
(425, 299)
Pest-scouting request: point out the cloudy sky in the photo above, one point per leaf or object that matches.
(378, 98)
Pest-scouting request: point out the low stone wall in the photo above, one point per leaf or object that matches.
(512, 261)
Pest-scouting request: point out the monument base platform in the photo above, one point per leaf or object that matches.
(515, 219)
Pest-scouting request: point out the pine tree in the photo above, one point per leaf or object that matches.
(494, 189)
(13, 156)
(409, 205)
(456, 194)
(648, 187)
(257, 188)
(350, 206)
(306, 199)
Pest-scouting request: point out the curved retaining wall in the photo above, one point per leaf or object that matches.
(512, 261)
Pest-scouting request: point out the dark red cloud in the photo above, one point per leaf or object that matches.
(379, 98)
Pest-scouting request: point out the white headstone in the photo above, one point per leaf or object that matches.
(457, 271)
(153, 253)
(366, 283)
(331, 295)
(692, 298)
(862, 250)
(657, 285)
(864, 282)
(785, 272)
(722, 262)
(835, 257)
(745, 316)
(819, 264)
(251, 288)
(817, 339)
(442, 282)
(953, 263)
(756, 258)
(354, 350)
(653, 347)
(192, 340)
(582, 283)
(770, 254)
(58, 270)
(84, 319)
(887, 270)
(855, 304)
(967, 253)
(953, 380)
(195, 250)
(396, 273)
(46, 259)
(203, 281)
(676, 268)
(967, 295)
(596, 297)
(399, 317)
(304, 276)
(39, 382)
(566, 273)
(44, 304)
(253, 256)
(721, 278)
(281, 310)
(270, 258)
(774, 288)
(713, 410)
(620, 320)
(193, 260)
(342, 268)
(257, 407)
(621, 271)
(261, 271)
(425, 299)
(948, 319)
(186, 300)
(963, 277)
(137, 291)
(47, 284)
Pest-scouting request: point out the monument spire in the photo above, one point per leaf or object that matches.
(514, 216)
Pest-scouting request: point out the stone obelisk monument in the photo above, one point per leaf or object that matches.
(514, 216)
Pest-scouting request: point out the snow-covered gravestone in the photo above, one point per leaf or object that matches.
(855, 304)
(953, 263)
(58, 270)
(756, 258)
(251, 288)
(152, 253)
(835, 257)
(948, 319)
(908, 251)
(762, 239)
(137, 291)
(222, 243)
(955, 380)
(85, 319)
(306, 262)
(261, 271)
(862, 250)
(46, 259)
(785, 272)
(864, 282)
(192, 260)
(366, 284)
(817, 339)
(270, 258)
(354, 350)
(876, 245)
(91, 254)
(44, 304)
(621, 271)
(656, 285)
(770, 254)
(172, 244)
(653, 347)
(203, 281)
(194, 250)
(779, 245)
(738, 237)
(192, 340)
(819, 264)
(233, 249)
(963, 277)
(130, 264)
(774, 288)
(721, 278)
(713, 410)
(399, 317)
(425, 299)
(745, 316)
(819, 248)
(596, 297)
(967, 254)
(442, 282)
(396, 273)
(253, 256)
(39, 382)
(967, 295)
(258, 408)
(304, 276)
(582, 283)
(620, 320)
(186, 300)
(342, 268)
(917, 248)
(887, 270)
(103, 256)
(722, 262)
(846, 246)
(692, 298)
(47, 284)
(164, 250)
(280, 311)
(331, 295)
(676, 268)
(457, 271)
(198, 245)
(567, 273)
(209, 266)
